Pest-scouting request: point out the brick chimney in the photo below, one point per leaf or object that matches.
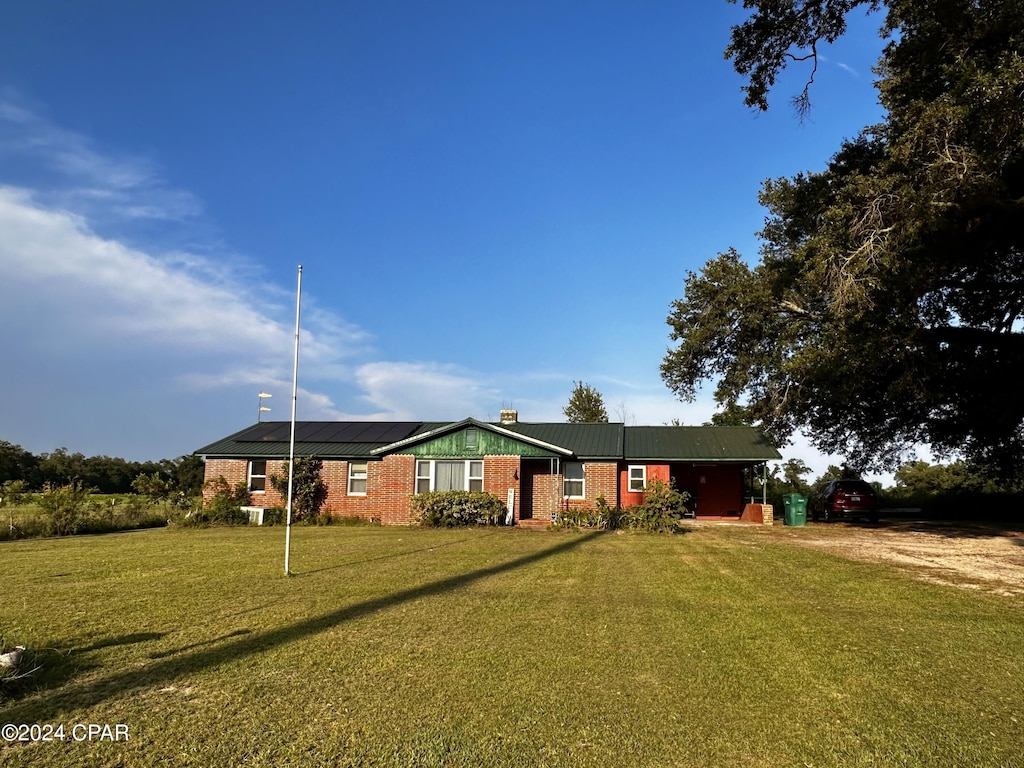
(509, 417)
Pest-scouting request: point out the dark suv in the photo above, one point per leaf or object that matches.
(845, 498)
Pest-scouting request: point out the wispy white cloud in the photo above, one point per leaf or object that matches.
(84, 178)
(85, 288)
(848, 68)
(427, 390)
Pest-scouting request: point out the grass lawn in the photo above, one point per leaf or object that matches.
(408, 647)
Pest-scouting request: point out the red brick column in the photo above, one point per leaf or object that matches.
(391, 484)
(500, 474)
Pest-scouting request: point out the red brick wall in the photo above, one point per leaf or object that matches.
(500, 474)
(547, 495)
(233, 470)
(600, 479)
(390, 485)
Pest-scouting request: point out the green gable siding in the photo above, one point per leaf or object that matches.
(487, 444)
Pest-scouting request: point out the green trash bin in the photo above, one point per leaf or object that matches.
(796, 509)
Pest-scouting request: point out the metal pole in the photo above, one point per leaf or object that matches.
(291, 443)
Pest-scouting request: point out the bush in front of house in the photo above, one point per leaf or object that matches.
(602, 517)
(663, 510)
(224, 507)
(454, 509)
(309, 491)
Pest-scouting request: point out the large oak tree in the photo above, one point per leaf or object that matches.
(887, 306)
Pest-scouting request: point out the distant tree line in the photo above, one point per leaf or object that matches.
(105, 474)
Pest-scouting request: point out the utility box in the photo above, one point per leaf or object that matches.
(255, 514)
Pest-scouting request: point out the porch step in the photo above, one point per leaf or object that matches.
(537, 523)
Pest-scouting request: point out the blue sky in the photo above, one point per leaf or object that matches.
(489, 201)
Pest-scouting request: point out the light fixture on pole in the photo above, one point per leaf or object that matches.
(259, 413)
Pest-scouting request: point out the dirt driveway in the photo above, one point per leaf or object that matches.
(966, 555)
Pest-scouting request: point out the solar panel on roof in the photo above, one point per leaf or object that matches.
(331, 431)
(267, 431)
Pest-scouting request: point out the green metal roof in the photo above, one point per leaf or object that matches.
(699, 444)
(586, 441)
(370, 440)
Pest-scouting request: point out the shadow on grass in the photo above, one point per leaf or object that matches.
(389, 556)
(52, 704)
(135, 637)
(46, 668)
(175, 651)
(39, 670)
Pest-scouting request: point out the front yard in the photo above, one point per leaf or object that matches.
(717, 647)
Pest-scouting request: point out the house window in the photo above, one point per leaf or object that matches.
(357, 478)
(257, 476)
(449, 476)
(476, 475)
(472, 439)
(572, 482)
(637, 478)
(423, 476)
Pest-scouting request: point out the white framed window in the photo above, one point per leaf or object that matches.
(449, 475)
(257, 476)
(637, 478)
(573, 484)
(357, 478)
(423, 476)
(476, 476)
(472, 439)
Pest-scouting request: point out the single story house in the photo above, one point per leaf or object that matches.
(373, 468)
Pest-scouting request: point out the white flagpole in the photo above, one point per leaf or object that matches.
(291, 445)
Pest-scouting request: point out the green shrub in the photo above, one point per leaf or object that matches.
(23, 527)
(12, 493)
(663, 509)
(63, 507)
(576, 518)
(611, 518)
(224, 507)
(275, 515)
(453, 509)
(602, 517)
(134, 506)
(309, 491)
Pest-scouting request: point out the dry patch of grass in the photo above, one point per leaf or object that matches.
(973, 556)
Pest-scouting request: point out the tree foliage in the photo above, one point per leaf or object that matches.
(64, 506)
(223, 506)
(309, 491)
(586, 405)
(921, 479)
(106, 474)
(887, 307)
